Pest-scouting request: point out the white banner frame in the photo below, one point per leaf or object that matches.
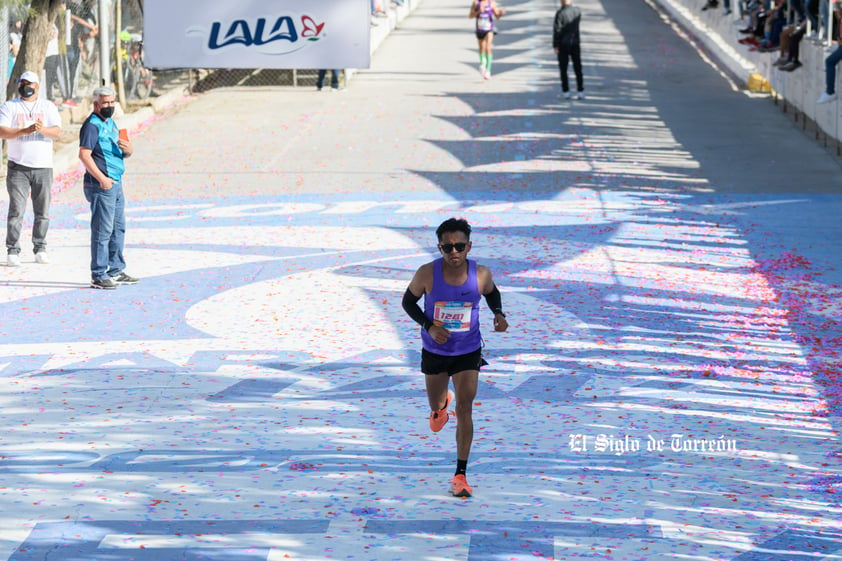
(257, 34)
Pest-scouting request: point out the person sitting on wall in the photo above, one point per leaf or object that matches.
(790, 46)
(774, 24)
(757, 12)
(829, 93)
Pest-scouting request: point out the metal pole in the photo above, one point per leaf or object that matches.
(104, 44)
(4, 59)
(118, 51)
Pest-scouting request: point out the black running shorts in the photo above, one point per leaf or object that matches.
(433, 364)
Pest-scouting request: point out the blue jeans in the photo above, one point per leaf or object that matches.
(108, 230)
(800, 9)
(830, 70)
(334, 79)
(814, 8)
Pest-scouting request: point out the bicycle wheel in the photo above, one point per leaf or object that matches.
(144, 82)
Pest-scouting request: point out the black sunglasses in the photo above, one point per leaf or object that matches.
(449, 247)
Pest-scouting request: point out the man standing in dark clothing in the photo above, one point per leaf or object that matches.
(567, 47)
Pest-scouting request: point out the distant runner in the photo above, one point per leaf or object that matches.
(485, 12)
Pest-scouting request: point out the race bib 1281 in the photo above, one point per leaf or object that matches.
(453, 316)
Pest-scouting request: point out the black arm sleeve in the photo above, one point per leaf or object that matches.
(413, 310)
(495, 301)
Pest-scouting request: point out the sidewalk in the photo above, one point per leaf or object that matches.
(66, 159)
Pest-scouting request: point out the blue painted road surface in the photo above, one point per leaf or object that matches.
(668, 387)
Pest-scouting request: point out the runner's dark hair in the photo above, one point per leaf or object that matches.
(454, 225)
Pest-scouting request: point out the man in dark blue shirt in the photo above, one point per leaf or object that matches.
(102, 151)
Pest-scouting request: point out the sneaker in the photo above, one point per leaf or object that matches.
(123, 278)
(41, 257)
(580, 95)
(487, 75)
(790, 66)
(826, 98)
(439, 418)
(105, 283)
(13, 260)
(459, 487)
(568, 95)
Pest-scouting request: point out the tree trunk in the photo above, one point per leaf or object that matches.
(33, 46)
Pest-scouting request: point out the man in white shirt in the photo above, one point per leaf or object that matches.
(30, 125)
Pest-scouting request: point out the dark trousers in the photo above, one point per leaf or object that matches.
(51, 77)
(23, 182)
(793, 48)
(334, 79)
(565, 55)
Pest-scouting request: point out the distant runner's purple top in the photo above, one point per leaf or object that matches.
(485, 18)
(456, 308)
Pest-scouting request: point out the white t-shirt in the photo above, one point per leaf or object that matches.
(52, 44)
(33, 150)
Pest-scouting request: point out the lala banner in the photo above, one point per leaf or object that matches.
(257, 34)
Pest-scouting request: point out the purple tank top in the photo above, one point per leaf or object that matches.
(485, 18)
(456, 308)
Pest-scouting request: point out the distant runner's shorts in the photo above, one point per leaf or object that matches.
(481, 34)
(433, 364)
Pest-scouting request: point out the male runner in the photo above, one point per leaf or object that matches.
(451, 340)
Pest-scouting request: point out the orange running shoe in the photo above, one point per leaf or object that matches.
(439, 418)
(459, 487)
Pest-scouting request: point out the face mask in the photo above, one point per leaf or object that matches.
(26, 91)
(106, 112)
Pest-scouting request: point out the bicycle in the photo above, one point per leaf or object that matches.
(138, 80)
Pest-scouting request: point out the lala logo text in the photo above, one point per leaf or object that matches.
(240, 32)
